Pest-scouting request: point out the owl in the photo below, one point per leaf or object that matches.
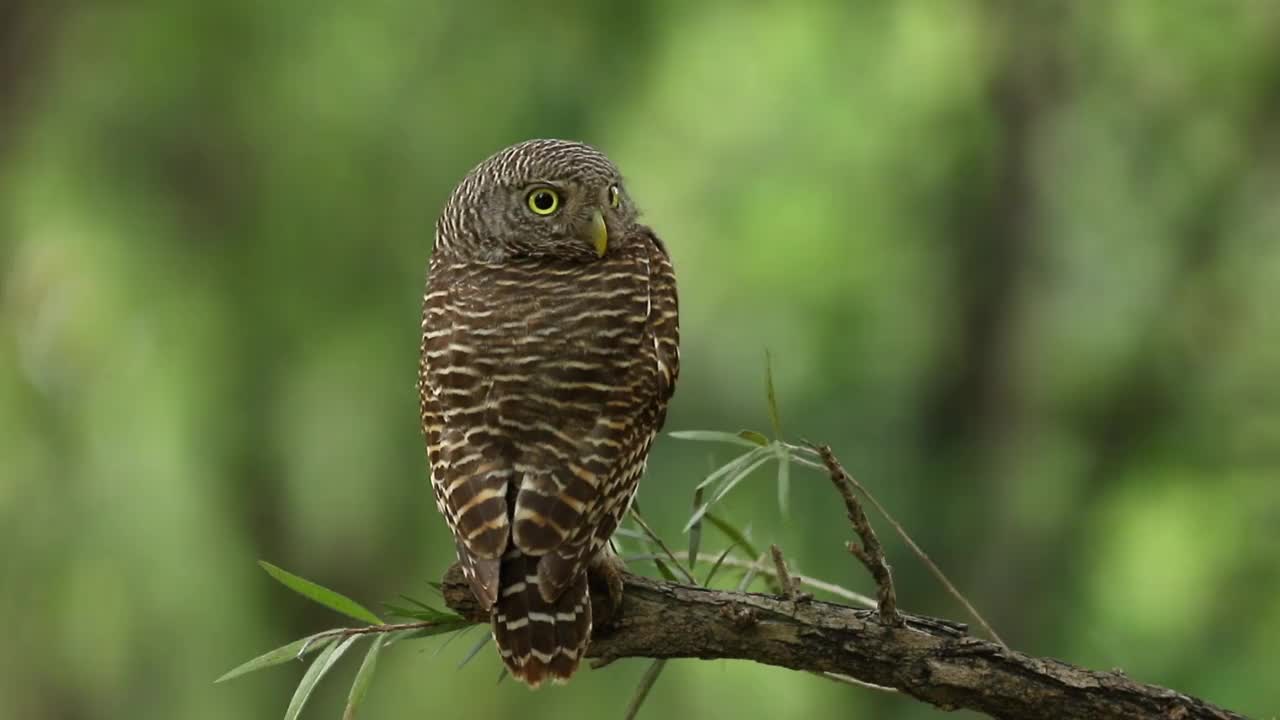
(550, 349)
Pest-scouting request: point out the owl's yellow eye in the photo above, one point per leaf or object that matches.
(615, 197)
(544, 201)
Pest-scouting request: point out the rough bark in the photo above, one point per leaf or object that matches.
(930, 659)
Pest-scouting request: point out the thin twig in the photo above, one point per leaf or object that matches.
(665, 550)
(906, 538)
(870, 552)
(790, 587)
(345, 633)
(922, 555)
(811, 582)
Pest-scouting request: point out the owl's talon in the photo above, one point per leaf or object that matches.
(606, 568)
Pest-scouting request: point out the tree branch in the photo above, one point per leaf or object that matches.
(930, 659)
(870, 553)
(933, 660)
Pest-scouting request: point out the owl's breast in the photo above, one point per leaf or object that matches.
(557, 343)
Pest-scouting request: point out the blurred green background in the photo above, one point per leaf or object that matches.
(1017, 261)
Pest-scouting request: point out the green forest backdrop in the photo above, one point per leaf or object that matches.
(1016, 261)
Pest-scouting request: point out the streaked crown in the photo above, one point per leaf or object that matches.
(538, 198)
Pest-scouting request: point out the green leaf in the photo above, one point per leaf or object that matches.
(695, 533)
(735, 535)
(642, 690)
(320, 594)
(400, 611)
(454, 636)
(421, 604)
(423, 612)
(419, 633)
(319, 667)
(716, 567)
(475, 650)
(750, 574)
(664, 570)
(731, 466)
(784, 479)
(364, 676)
(440, 628)
(713, 436)
(774, 418)
(753, 437)
(284, 654)
(738, 475)
(630, 534)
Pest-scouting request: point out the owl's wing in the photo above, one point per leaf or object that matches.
(469, 466)
(586, 503)
(664, 324)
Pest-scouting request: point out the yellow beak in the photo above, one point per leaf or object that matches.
(599, 233)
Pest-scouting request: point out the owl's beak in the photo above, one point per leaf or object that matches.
(599, 233)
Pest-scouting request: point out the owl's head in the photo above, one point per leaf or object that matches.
(539, 198)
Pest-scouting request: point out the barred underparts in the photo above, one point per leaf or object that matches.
(550, 349)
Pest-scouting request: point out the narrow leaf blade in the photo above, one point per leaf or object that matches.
(278, 656)
(750, 574)
(425, 614)
(697, 517)
(732, 465)
(738, 477)
(630, 534)
(716, 567)
(320, 594)
(730, 473)
(400, 611)
(419, 633)
(475, 650)
(712, 436)
(449, 640)
(774, 418)
(642, 690)
(364, 677)
(439, 627)
(419, 603)
(664, 570)
(319, 667)
(695, 532)
(784, 480)
(735, 535)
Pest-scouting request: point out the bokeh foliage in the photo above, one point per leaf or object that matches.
(1017, 261)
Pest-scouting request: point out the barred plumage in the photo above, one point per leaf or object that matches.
(549, 353)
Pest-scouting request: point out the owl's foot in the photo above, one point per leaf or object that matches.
(604, 572)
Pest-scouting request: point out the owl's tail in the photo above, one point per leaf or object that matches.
(539, 640)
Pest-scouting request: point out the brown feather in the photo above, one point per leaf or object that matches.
(543, 382)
